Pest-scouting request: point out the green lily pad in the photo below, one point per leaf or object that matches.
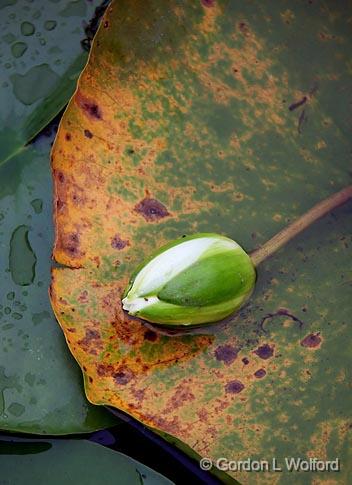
(69, 461)
(40, 384)
(226, 117)
(41, 57)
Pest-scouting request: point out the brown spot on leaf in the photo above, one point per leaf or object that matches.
(60, 177)
(83, 297)
(260, 373)
(312, 340)
(243, 28)
(88, 134)
(208, 3)
(90, 107)
(91, 338)
(264, 351)
(151, 209)
(123, 376)
(104, 370)
(234, 387)
(70, 244)
(150, 335)
(226, 354)
(118, 243)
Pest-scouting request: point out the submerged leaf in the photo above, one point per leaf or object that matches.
(40, 386)
(188, 119)
(70, 461)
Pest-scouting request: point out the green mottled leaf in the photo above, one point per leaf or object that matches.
(226, 117)
(40, 384)
(68, 461)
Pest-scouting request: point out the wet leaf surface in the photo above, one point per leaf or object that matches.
(70, 461)
(41, 56)
(40, 385)
(213, 116)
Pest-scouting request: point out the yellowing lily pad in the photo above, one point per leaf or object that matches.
(212, 116)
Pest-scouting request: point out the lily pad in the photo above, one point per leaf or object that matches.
(213, 116)
(41, 59)
(70, 461)
(41, 387)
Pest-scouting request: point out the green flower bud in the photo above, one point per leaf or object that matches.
(197, 279)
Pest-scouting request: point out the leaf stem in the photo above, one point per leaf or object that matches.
(289, 232)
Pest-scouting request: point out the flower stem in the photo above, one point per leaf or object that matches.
(284, 236)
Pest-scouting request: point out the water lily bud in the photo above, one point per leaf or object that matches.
(197, 279)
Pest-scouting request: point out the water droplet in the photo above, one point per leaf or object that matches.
(27, 28)
(16, 409)
(9, 38)
(7, 310)
(18, 49)
(42, 41)
(8, 65)
(40, 317)
(37, 14)
(50, 24)
(55, 50)
(25, 293)
(35, 84)
(37, 205)
(40, 284)
(22, 259)
(17, 316)
(30, 379)
(11, 295)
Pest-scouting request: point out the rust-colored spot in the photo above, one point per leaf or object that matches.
(91, 337)
(106, 24)
(88, 134)
(243, 28)
(90, 107)
(151, 209)
(68, 136)
(123, 376)
(118, 243)
(104, 370)
(234, 387)
(208, 3)
(260, 373)
(150, 335)
(226, 353)
(70, 243)
(312, 340)
(264, 351)
(245, 360)
(90, 379)
(60, 177)
(83, 297)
